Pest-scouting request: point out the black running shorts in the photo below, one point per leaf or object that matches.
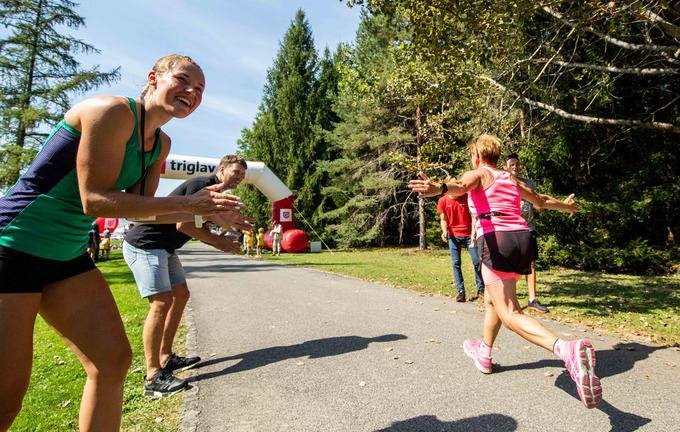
(507, 251)
(24, 273)
(534, 246)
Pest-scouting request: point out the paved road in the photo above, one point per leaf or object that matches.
(293, 349)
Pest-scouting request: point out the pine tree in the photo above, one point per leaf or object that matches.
(287, 134)
(38, 74)
(372, 206)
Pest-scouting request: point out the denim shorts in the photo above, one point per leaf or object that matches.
(155, 270)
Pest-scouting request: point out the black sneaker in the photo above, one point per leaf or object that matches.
(535, 305)
(163, 384)
(479, 297)
(460, 298)
(176, 363)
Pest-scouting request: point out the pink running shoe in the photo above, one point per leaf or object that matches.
(473, 348)
(579, 358)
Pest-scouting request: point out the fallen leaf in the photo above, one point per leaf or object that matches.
(61, 363)
(136, 370)
(362, 383)
(56, 357)
(395, 358)
(159, 420)
(65, 403)
(389, 349)
(300, 363)
(527, 346)
(408, 362)
(548, 374)
(213, 354)
(436, 309)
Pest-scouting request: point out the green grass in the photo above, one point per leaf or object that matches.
(636, 307)
(53, 397)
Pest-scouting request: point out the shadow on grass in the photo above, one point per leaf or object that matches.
(311, 349)
(430, 423)
(611, 362)
(603, 294)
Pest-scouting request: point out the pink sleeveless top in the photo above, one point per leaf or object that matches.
(501, 198)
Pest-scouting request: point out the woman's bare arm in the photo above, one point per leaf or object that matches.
(542, 201)
(106, 124)
(426, 188)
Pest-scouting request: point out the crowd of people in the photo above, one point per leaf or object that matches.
(253, 240)
(66, 183)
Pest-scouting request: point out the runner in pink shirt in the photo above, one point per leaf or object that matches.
(504, 243)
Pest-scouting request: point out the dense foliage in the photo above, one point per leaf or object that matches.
(587, 93)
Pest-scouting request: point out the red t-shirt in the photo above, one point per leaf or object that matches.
(459, 221)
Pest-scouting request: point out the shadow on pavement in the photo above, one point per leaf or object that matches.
(311, 349)
(228, 268)
(609, 363)
(430, 423)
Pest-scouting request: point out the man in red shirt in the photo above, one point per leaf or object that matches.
(456, 224)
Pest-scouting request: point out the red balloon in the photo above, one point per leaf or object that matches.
(294, 241)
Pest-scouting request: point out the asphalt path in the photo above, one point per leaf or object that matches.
(295, 349)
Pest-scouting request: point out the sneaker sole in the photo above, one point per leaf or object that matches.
(157, 395)
(186, 367)
(479, 366)
(587, 383)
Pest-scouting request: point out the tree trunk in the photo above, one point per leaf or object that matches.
(26, 97)
(422, 231)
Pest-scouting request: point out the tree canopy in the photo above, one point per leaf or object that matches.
(38, 75)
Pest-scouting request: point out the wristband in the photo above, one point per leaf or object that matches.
(443, 188)
(198, 221)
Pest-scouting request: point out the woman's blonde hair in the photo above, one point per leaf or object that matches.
(165, 64)
(487, 147)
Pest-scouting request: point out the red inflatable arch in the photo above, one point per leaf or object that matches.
(259, 175)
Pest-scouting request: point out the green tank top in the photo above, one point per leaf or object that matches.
(42, 214)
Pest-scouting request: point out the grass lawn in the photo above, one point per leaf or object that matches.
(636, 307)
(53, 397)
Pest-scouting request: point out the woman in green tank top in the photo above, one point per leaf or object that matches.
(91, 165)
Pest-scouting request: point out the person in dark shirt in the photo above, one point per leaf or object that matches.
(149, 250)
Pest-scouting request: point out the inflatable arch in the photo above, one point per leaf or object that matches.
(180, 167)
